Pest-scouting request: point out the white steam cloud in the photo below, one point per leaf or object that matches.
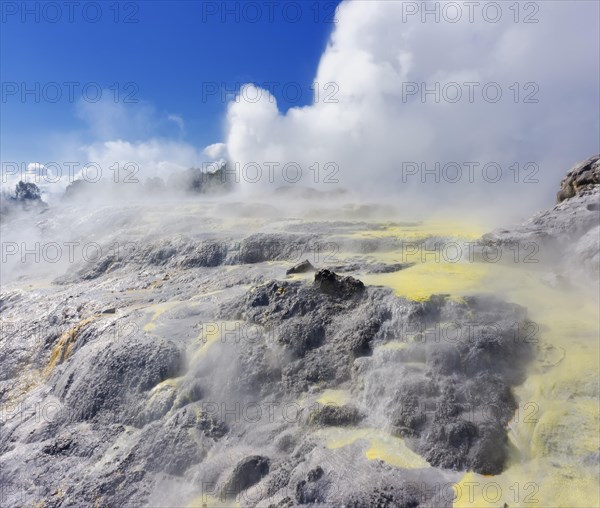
(372, 121)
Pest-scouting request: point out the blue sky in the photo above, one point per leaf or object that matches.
(172, 52)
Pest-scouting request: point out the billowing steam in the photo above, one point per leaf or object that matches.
(502, 99)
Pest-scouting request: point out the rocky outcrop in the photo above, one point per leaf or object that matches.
(565, 236)
(303, 267)
(332, 284)
(326, 327)
(336, 415)
(246, 473)
(582, 178)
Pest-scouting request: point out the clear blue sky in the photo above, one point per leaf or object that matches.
(171, 52)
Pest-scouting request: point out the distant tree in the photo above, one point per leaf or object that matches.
(27, 191)
(28, 197)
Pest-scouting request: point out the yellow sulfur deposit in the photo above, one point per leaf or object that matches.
(422, 230)
(157, 310)
(381, 446)
(419, 282)
(206, 501)
(335, 397)
(220, 331)
(66, 343)
(554, 435)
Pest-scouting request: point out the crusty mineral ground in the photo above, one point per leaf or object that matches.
(192, 357)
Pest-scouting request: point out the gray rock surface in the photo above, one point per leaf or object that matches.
(187, 366)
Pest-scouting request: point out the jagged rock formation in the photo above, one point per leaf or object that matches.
(313, 325)
(584, 177)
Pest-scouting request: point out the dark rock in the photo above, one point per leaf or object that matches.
(99, 268)
(315, 474)
(303, 267)
(490, 453)
(323, 334)
(330, 283)
(371, 267)
(61, 446)
(286, 443)
(384, 497)
(301, 336)
(313, 489)
(261, 247)
(246, 473)
(27, 198)
(407, 417)
(336, 415)
(360, 340)
(217, 180)
(27, 191)
(388, 268)
(461, 403)
(278, 479)
(447, 445)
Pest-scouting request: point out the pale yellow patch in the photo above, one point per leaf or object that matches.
(422, 230)
(206, 501)
(393, 346)
(334, 397)
(558, 421)
(158, 310)
(422, 280)
(224, 331)
(379, 446)
(166, 384)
